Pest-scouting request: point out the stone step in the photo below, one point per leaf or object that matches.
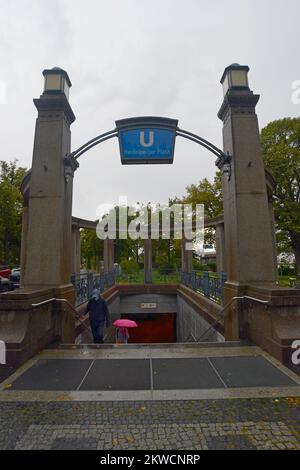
(154, 346)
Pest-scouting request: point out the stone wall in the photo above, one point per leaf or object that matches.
(189, 323)
(273, 327)
(26, 329)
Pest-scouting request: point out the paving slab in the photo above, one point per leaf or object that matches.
(118, 374)
(250, 372)
(53, 374)
(182, 373)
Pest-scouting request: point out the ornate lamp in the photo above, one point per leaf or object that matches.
(235, 77)
(57, 81)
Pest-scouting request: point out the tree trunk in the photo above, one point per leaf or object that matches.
(297, 256)
(5, 248)
(295, 237)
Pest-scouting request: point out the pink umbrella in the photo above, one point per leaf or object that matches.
(124, 323)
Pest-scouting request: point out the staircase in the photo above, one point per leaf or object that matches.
(151, 372)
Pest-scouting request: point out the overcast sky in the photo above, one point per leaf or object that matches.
(140, 57)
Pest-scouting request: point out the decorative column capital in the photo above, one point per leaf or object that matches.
(53, 106)
(238, 102)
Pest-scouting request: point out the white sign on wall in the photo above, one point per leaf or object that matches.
(2, 352)
(148, 305)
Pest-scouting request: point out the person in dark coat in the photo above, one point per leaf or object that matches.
(99, 315)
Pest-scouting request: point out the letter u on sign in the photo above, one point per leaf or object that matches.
(150, 140)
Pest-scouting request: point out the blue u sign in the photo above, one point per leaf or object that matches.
(142, 143)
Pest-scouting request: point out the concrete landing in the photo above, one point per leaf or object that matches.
(150, 373)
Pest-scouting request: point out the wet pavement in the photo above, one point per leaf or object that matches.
(190, 424)
(189, 398)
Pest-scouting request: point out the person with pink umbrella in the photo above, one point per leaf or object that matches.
(122, 333)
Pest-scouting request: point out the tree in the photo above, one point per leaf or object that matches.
(11, 203)
(210, 195)
(281, 152)
(207, 193)
(91, 249)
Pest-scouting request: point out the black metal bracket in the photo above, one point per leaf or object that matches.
(223, 161)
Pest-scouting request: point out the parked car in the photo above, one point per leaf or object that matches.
(5, 271)
(15, 277)
(5, 284)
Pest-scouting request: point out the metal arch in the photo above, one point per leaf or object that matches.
(198, 141)
(95, 141)
(222, 158)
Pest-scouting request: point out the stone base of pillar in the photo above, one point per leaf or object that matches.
(66, 319)
(273, 327)
(26, 330)
(231, 315)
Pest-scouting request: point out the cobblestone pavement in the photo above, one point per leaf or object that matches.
(192, 424)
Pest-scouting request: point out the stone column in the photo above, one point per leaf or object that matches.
(24, 243)
(220, 248)
(273, 231)
(148, 260)
(76, 249)
(186, 255)
(108, 254)
(49, 238)
(248, 238)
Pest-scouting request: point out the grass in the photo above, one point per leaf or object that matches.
(284, 281)
(157, 278)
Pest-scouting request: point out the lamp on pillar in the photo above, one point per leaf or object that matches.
(235, 77)
(249, 257)
(57, 81)
(51, 186)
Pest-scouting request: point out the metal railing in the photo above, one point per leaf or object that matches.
(74, 311)
(85, 283)
(212, 328)
(211, 285)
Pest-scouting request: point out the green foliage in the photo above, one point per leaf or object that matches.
(286, 270)
(207, 193)
(210, 195)
(129, 266)
(281, 152)
(91, 249)
(204, 265)
(11, 203)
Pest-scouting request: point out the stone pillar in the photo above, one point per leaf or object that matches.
(24, 243)
(248, 238)
(49, 237)
(148, 260)
(220, 248)
(186, 255)
(271, 184)
(76, 249)
(108, 254)
(273, 232)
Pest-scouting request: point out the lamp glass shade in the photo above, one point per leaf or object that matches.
(66, 88)
(239, 78)
(225, 84)
(56, 82)
(53, 82)
(235, 77)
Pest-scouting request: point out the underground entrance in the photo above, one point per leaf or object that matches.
(165, 314)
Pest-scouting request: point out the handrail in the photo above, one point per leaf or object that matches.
(192, 337)
(264, 302)
(54, 299)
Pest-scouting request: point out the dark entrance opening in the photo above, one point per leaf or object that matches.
(152, 327)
